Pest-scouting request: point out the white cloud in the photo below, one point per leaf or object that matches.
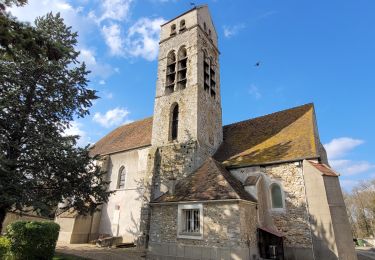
(98, 69)
(254, 91)
(337, 148)
(102, 82)
(143, 38)
(88, 57)
(36, 8)
(232, 30)
(113, 10)
(340, 146)
(72, 15)
(348, 185)
(349, 167)
(112, 37)
(76, 129)
(114, 117)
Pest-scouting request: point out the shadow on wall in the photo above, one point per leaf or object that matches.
(105, 221)
(323, 248)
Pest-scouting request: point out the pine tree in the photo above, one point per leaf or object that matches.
(43, 88)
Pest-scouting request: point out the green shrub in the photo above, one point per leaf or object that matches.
(32, 239)
(4, 246)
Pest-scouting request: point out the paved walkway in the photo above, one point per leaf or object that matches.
(100, 253)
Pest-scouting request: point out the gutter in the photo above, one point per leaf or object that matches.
(201, 201)
(268, 163)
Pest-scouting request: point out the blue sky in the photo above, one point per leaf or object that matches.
(309, 51)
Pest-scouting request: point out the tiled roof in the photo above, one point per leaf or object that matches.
(209, 182)
(324, 169)
(282, 136)
(126, 137)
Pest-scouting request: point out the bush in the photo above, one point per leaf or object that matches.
(32, 239)
(4, 246)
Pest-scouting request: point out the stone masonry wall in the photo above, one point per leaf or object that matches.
(294, 222)
(225, 225)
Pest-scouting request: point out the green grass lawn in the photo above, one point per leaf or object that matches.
(59, 256)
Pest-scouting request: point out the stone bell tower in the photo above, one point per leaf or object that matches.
(188, 101)
(187, 125)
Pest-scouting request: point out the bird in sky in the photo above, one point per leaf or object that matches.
(257, 64)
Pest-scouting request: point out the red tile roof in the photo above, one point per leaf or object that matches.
(324, 169)
(209, 182)
(125, 137)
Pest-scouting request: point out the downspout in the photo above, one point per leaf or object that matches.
(307, 208)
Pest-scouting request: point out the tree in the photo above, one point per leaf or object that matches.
(43, 88)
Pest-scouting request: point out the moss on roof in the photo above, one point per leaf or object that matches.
(282, 136)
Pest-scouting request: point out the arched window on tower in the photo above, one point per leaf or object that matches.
(174, 122)
(182, 25)
(173, 29)
(277, 197)
(171, 72)
(182, 68)
(206, 71)
(209, 78)
(121, 178)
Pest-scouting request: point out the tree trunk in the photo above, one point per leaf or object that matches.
(3, 212)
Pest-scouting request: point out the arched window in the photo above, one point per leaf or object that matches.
(182, 25)
(209, 74)
(182, 68)
(171, 72)
(121, 178)
(173, 29)
(174, 122)
(277, 197)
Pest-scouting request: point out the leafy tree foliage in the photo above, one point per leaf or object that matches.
(43, 88)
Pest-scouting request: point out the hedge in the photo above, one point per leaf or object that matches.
(32, 239)
(4, 246)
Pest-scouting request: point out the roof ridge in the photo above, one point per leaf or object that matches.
(311, 104)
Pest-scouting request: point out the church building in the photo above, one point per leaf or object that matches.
(188, 187)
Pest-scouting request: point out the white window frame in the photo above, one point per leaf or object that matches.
(181, 222)
(283, 209)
